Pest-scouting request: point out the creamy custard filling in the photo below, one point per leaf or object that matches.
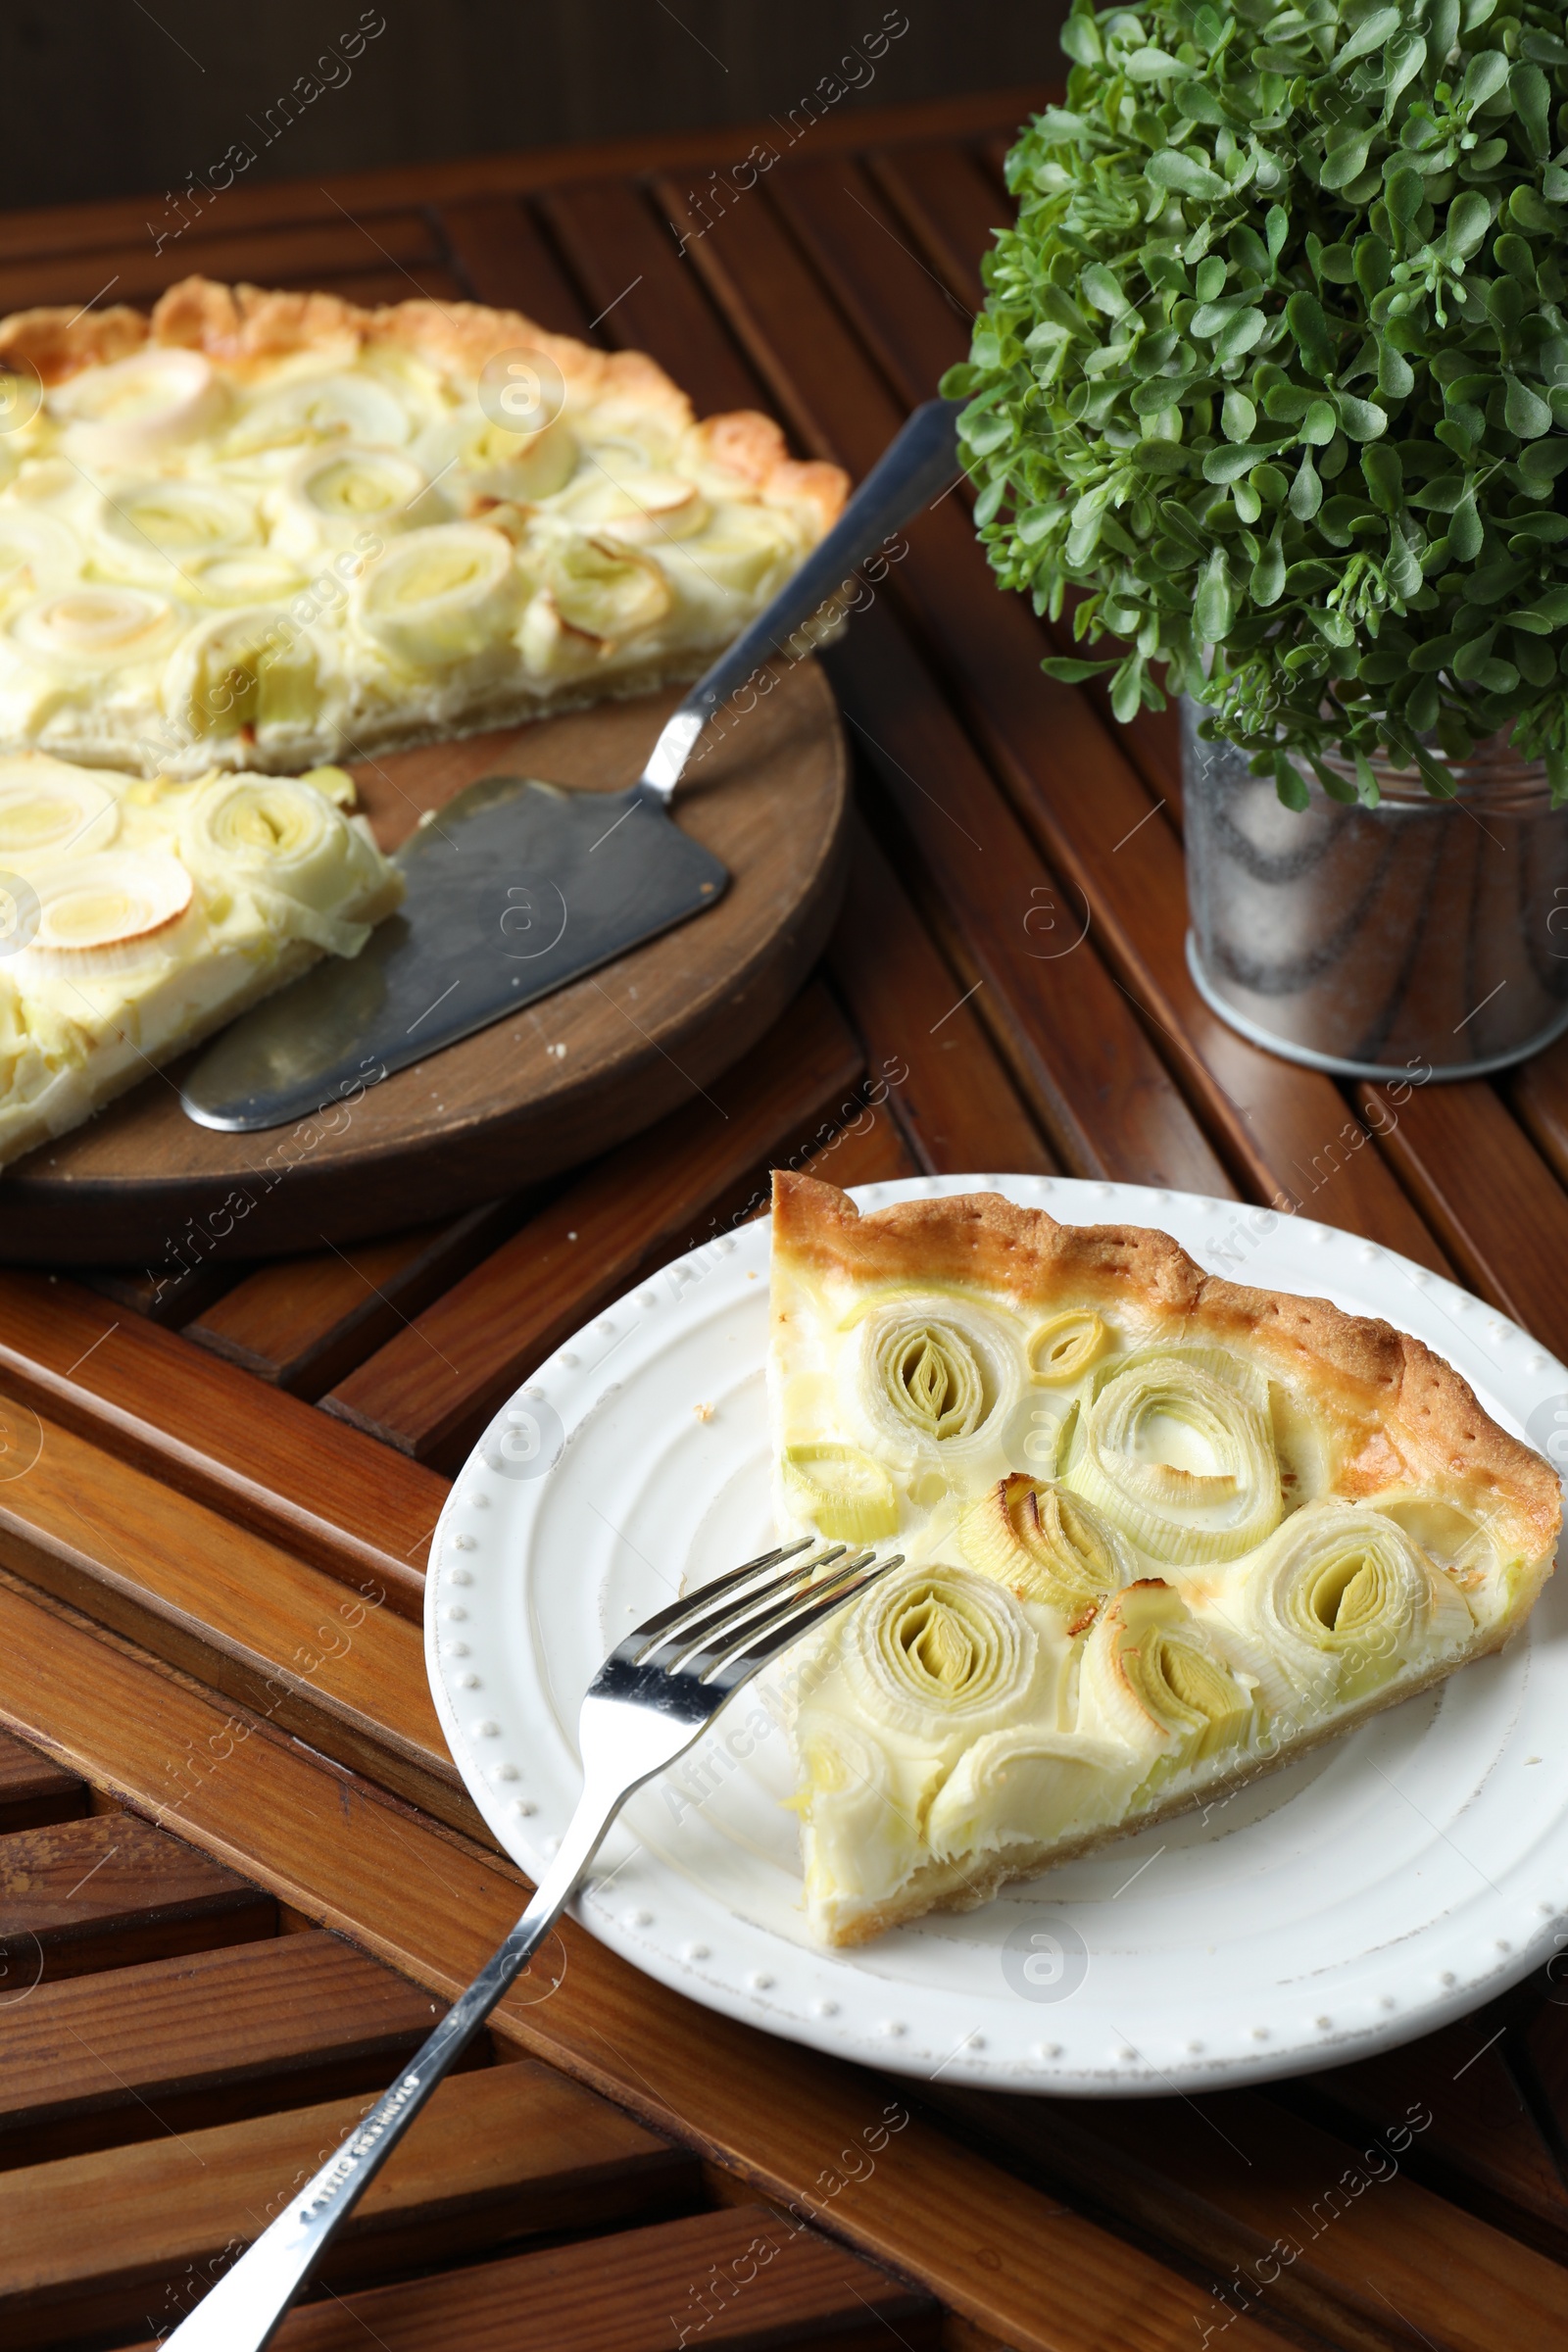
(1141, 1561)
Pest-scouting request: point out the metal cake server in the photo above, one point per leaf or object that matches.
(516, 887)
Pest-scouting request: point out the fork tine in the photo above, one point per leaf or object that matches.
(742, 1634)
(634, 1646)
(729, 1674)
(693, 1636)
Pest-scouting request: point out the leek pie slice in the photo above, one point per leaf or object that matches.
(266, 530)
(139, 914)
(1161, 1532)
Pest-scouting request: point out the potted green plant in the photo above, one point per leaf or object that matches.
(1272, 383)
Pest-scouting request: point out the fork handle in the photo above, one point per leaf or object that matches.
(920, 459)
(244, 2309)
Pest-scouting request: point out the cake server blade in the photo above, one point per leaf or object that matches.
(514, 889)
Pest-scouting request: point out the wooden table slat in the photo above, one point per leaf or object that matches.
(949, 205)
(499, 2152)
(35, 1791)
(739, 2279)
(332, 248)
(211, 1431)
(1483, 2146)
(303, 1323)
(955, 1101)
(111, 1890)
(1491, 1199)
(174, 2045)
(276, 1635)
(1293, 2219)
(428, 1389)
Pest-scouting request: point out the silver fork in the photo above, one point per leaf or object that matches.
(653, 1697)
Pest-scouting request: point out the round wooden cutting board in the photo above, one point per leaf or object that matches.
(541, 1090)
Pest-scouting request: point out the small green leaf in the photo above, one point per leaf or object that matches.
(1303, 315)
(1267, 583)
(1238, 417)
(1174, 168)
(1361, 419)
(1527, 212)
(1469, 661)
(1485, 75)
(1306, 491)
(1240, 335)
(1290, 784)
(1276, 228)
(1531, 93)
(1469, 219)
(1385, 477)
(1100, 287)
(1404, 193)
(1080, 38)
(1371, 33)
(1070, 672)
(1553, 609)
(1153, 65)
(1211, 607)
(1524, 412)
(1229, 465)
(1465, 534)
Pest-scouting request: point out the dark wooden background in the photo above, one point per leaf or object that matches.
(114, 98)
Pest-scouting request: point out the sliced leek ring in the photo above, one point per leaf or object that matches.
(96, 628)
(282, 831)
(345, 406)
(857, 1838)
(604, 592)
(440, 595)
(934, 1378)
(47, 807)
(250, 576)
(248, 668)
(37, 551)
(931, 1377)
(1175, 1448)
(138, 407)
(475, 458)
(847, 1495)
(102, 913)
(1027, 1786)
(1343, 1600)
(1062, 1349)
(637, 506)
(744, 552)
(1047, 1545)
(1154, 1679)
(164, 531)
(935, 1653)
(337, 493)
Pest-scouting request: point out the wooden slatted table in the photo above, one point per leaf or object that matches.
(236, 1866)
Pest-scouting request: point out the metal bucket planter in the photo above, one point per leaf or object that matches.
(1423, 935)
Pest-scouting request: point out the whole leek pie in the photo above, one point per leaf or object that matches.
(1161, 1532)
(270, 530)
(139, 914)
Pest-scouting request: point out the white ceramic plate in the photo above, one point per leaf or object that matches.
(1368, 1893)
